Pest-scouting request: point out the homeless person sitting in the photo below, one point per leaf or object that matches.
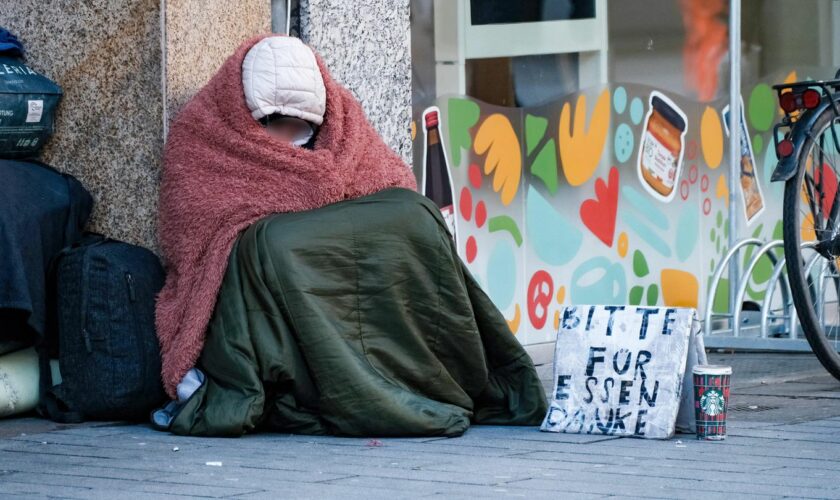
(310, 289)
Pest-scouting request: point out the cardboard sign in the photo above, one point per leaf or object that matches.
(618, 370)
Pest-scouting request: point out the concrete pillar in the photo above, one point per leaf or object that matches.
(367, 47)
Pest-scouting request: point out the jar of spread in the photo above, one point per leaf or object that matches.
(660, 154)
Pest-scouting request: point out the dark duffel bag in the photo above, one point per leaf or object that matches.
(108, 353)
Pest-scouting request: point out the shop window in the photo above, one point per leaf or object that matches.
(507, 53)
(588, 145)
(528, 11)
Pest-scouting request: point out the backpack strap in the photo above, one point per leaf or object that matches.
(80, 204)
(50, 404)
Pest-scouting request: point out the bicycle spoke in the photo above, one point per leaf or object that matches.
(808, 217)
(821, 168)
(813, 207)
(809, 195)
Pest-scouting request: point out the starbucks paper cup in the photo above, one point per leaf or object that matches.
(711, 399)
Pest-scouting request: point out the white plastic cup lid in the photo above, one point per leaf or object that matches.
(712, 370)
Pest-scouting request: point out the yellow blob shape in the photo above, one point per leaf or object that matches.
(513, 324)
(556, 320)
(561, 294)
(679, 288)
(711, 137)
(623, 244)
(413, 129)
(807, 231)
(581, 147)
(722, 190)
(497, 138)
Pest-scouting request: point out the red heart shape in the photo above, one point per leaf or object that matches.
(599, 214)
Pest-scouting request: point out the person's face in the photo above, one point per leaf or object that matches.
(287, 128)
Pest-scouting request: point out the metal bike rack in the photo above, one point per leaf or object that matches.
(710, 298)
(787, 306)
(808, 267)
(745, 282)
(733, 337)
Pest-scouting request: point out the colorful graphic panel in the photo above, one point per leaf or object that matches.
(612, 195)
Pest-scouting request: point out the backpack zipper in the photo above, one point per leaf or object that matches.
(129, 279)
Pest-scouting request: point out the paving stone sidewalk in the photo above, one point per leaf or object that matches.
(783, 442)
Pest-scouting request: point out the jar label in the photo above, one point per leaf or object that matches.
(659, 160)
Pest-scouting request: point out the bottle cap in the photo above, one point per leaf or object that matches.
(431, 119)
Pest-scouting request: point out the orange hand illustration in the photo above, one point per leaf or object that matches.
(498, 140)
(581, 147)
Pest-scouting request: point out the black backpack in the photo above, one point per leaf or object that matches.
(109, 356)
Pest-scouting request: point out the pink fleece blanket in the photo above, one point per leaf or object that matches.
(222, 172)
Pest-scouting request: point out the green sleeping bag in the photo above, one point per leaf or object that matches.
(357, 319)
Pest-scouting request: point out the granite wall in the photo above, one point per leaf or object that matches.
(120, 87)
(200, 35)
(367, 47)
(128, 66)
(106, 55)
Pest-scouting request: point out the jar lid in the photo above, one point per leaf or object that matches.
(712, 370)
(668, 112)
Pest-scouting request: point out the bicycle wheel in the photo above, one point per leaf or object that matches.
(810, 214)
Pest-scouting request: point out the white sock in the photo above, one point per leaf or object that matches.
(189, 384)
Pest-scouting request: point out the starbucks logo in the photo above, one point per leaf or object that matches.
(712, 402)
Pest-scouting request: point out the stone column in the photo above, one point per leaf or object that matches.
(106, 55)
(200, 35)
(367, 47)
(126, 67)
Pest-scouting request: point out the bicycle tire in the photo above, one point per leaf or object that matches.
(800, 290)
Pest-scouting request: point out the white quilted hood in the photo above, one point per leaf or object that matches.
(280, 75)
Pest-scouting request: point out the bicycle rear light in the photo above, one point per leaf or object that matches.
(793, 100)
(811, 98)
(784, 148)
(788, 102)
